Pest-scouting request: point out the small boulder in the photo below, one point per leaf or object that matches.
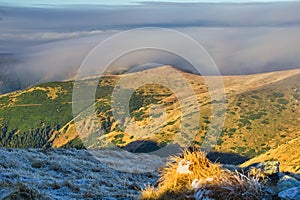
(287, 182)
(270, 167)
(290, 194)
(296, 176)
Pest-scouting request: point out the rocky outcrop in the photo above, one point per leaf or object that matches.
(284, 185)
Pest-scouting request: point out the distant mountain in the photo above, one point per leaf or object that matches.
(262, 114)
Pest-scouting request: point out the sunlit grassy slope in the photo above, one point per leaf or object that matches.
(262, 113)
(287, 154)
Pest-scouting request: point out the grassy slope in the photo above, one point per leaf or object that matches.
(262, 118)
(287, 154)
(262, 112)
(29, 117)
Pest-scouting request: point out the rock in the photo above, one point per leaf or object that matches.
(270, 167)
(290, 194)
(261, 170)
(269, 192)
(296, 176)
(287, 182)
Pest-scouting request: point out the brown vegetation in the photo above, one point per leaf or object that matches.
(204, 180)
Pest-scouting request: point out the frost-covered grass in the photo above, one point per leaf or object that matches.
(68, 174)
(129, 162)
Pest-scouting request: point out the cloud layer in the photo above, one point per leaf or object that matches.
(51, 43)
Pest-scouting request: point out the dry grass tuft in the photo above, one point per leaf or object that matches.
(193, 176)
(21, 191)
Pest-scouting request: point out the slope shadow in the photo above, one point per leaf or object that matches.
(147, 146)
(227, 158)
(142, 146)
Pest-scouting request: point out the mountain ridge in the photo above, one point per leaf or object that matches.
(261, 113)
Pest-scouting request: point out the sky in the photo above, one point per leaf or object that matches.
(42, 3)
(46, 43)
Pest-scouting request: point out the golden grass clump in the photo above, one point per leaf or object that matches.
(193, 176)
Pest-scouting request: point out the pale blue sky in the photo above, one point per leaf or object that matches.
(41, 3)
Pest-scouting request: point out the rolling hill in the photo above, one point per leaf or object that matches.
(261, 119)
